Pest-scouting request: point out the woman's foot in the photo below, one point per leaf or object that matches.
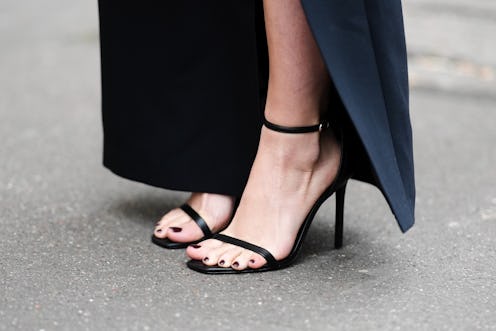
(177, 226)
(289, 174)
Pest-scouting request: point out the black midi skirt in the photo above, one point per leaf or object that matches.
(184, 84)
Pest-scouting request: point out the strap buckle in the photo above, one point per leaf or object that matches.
(324, 125)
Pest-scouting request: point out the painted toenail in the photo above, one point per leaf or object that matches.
(159, 230)
(252, 261)
(235, 264)
(221, 262)
(195, 246)
(174, 229)
(205, 259)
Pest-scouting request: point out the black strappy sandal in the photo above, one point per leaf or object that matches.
(338, 186)
(167, 243)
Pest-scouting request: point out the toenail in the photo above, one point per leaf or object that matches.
(235, 264)
(205, 259)
(221, 262)
(174, 229)
(158, 223)
(195, 246)
(252, 261)
(159, 230)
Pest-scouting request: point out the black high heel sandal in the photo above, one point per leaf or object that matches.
(207, 233)
(338, 186)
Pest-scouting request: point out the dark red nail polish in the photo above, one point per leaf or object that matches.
(159, 230)
(205, 259)
(235, 264)
(221, 262)
(195, 246)
(252, 261)
(174, 229)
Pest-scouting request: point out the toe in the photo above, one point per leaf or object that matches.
(227, 259)
(241, 262)
(172, 217)
(200, 250)
(160, 231)
(174, 227)
(211, 258)
(255, 261)
(185, 232)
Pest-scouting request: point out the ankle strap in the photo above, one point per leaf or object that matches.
(296, 129)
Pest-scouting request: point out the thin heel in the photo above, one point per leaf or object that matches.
(338, 229)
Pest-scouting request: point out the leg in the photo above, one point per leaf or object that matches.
(298, 79)
(290, 172)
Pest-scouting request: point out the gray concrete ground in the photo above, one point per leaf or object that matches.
(74, 239)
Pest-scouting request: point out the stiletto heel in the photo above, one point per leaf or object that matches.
(338, 229)
(338, 186)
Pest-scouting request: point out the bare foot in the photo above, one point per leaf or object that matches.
(289, 174)
(215, 209)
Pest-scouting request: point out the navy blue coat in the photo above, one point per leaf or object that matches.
(363, 45)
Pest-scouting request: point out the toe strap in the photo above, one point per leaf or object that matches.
(271, 261)
(198, 219)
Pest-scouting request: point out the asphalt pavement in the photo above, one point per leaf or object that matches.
(74, 238)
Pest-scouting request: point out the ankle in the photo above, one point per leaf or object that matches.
(302, 151)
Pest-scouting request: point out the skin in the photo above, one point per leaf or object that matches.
(216, 210)
(290, 171)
